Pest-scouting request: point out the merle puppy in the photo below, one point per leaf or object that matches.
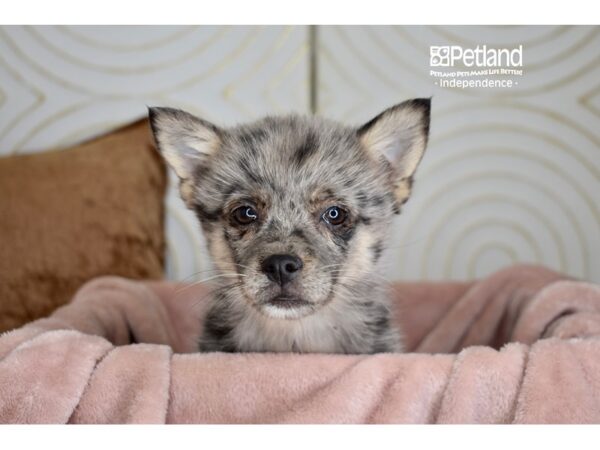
(296, 212)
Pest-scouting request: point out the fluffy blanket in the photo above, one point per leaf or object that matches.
(520, 346)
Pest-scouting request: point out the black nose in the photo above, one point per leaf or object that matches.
(282, 268)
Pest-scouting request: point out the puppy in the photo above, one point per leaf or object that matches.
(296, 212)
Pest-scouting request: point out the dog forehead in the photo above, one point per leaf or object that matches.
(294, 150)
(294, 138)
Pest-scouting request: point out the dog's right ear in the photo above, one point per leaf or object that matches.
(184, 140)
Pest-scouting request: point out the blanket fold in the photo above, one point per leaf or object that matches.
(520, 346)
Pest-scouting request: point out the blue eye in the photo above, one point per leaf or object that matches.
(334, 215)
(245, 215)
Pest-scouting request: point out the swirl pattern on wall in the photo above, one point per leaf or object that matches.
(64, 84)
(511, 175)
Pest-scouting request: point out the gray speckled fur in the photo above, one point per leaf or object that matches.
(291, 168)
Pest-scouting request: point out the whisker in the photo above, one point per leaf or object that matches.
(196, 283)
(220, 289)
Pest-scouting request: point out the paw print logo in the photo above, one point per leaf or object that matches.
(439, 56)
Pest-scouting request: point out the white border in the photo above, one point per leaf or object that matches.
(300, 12)
(289, 437)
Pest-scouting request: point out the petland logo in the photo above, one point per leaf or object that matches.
(455, 67)
(480, 56)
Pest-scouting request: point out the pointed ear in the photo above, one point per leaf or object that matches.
(185, 141)
(399, 134)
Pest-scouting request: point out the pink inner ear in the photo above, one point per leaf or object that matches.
(183, 139)
(400, 135)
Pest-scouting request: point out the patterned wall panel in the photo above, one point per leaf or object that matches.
(63, 84)
(511, 174)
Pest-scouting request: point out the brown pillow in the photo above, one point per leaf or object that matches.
(71, 215)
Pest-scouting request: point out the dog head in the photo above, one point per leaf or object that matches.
(295, 210)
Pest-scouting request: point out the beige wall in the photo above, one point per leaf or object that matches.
(510, 175)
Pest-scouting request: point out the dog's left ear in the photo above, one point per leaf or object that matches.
(400, 135)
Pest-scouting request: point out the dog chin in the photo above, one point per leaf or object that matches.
(281, 307)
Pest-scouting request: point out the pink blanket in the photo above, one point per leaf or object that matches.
(117, 354)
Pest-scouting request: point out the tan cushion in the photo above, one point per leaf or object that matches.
(70, 215)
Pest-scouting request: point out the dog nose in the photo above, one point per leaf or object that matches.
(282, 268)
